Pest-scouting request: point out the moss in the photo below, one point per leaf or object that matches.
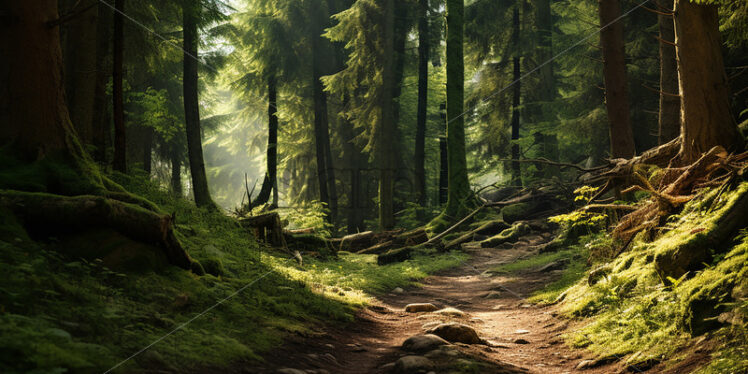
(511, 234)
(213, 266)
(516, 212)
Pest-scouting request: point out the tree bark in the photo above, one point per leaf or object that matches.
(102, 120)
(192, 108)
(386, 132)
(669, 116)
(459, 186)
(147, 150)
(352, 153)
(706, 120)
(80, 68)
(443, 159)
(33, 113)
(424, 37)
(321, 132)
(516, 91)
(547, 91)
(271, 179)
(176, 172)
(614, 72)
(120, 139)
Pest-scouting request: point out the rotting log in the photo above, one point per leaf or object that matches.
(267, 227)
(48, 213)
(486, 229)
(395, 255)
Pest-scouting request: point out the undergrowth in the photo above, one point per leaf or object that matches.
(633, 313)
(60, 313)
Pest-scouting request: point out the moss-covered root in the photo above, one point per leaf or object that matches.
(487, 228)
(509, 235)
(682, 255)
(56, 213)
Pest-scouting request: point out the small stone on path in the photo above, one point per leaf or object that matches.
(456, 332)
(413, 364)
(449, 311)
(522, 332)
(420, 307)
(398, 290)
(521, 341)
(423, 343)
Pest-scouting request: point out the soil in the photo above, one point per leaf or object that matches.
(375, 338)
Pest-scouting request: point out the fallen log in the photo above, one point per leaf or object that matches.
(48, 213)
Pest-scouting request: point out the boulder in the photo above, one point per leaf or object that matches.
(423, 343)
(456, 333)
(454, 312)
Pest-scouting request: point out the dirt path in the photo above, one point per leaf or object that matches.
(525, 338)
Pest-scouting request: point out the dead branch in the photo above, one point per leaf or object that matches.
(453, 227)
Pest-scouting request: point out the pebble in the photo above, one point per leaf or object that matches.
(420, 307)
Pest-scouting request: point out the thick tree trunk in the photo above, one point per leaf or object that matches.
(547, 91)
(80, 68)
(424, 36)
(386, 132)
(669, 116)
(102, 121)
(33, 113)
(176, 172)
(120, 140)
(614, 72)
(706, 120)
(459, 186)
(271, 178)
(192, 108)
(516, 91)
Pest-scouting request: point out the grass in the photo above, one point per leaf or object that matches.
(62, 313)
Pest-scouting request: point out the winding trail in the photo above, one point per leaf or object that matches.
(524, 338)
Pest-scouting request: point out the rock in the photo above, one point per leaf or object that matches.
(423, 343)
(456, 332)
(499, 307)
(586, 364)
(555, 265)
(509, 235)
(443, 351)
(429, 325)
(412, 365)
(449, 311)
(290, 371)
(521, 331)
(398, 290)
(521, 341)
(420, 307)
(387, 367)
(493, 295)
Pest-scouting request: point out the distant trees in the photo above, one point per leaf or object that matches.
(669, 113)
(120, 133)
(424, 50)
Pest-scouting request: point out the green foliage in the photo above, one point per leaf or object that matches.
(311, 215)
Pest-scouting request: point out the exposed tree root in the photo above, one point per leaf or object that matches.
(42, 212)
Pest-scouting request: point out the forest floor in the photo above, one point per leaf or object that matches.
(523, 337)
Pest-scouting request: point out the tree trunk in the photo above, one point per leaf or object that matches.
(352, 153)
(321, 132)
(459, 186)
(147, 150)
(102, 120)
(33, 113)
(80, 69)
(516, 91)
(669, 116)
(614, 72)
(271, 178)
(192, 108)
(386, 132)
(443, 159)
(120, 140)
(547, 91)
(424, 37)
(706, 120)
(176, 172)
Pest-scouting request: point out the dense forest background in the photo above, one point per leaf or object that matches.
(311, 71)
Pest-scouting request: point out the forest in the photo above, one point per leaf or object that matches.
(373, 186)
